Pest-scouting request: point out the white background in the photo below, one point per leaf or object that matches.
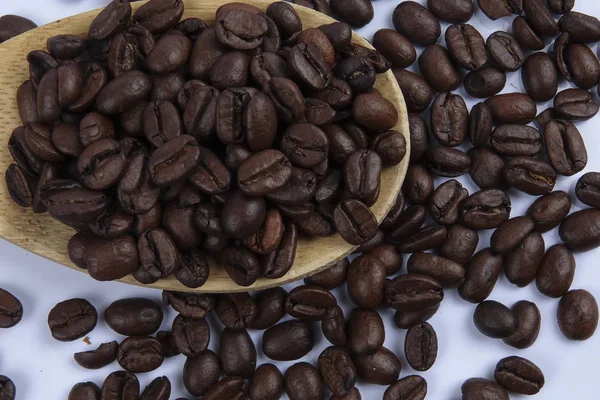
(43, 368)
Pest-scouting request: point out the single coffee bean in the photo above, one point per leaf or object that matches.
(486, 168)
(438, 70)
(362, 173)
(14, 25)
(510, 234)
(123, 54)
(161, 122)
(427, 238)
(158, 389)
(578, 315)
(286, 18)
(505, 51)
(565, 147)
(200, 373)
(264, 172)
(134, 317)
(140, 354)
(407, 319)
(27, 103)
(240, 264)
(482, 272)
(578, 64)
(409, 223)
(480, 124)
(111, 259)
(421, 347)
(210, 176)
(270, 305)
(395, 47)
(242, 215)
(331, 277)
(104, 355)
(123, 93)
(19, 186)
(174, 160)
(419, 137)
(460, 244)
(544, 117)
(495, 9)
(588, 189)
(447, 272)
(178, 222)
(381, 368)
(318, 112)
(445, 203)
(481, 388)
(159, 16)
(374, 112)
(530, 175)
(388, 255)
(365, 331)
(333, 326)
(455, 11)
(540, 77)
(512, 108)
(39, 143)
(189, 305)
(527, 325)
(279, 262)
(418, 92)
(416, 23)
(449, 119)
(302, 381)
(561, 6)
(305, 145)
(237, 353)
(337, 370)
(230, 387)
(191, 335)
(84, 391)
(413, 292)
(522, 263)
(413, 387)
(241, 30)
(193, 269)
(236, 310)
(72, 319)
(159, 256)
(266, 382)
(466, 46)
(526, 35)
(339, 34)
(358, 72)
(287, 341)
(167, 341)
(580, 27)
(540, 17)
(447, 161)
(356, 13)
(366, 280)
(484, 82)
(519, 375)
(120, 384)
(494, 319)
(575, 104)
(11, 309)
(556, 272)
(418, 185)
(308, 64)
(355, 222)
(550, 210)
(579, 230)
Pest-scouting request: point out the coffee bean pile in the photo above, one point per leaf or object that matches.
(506, 153)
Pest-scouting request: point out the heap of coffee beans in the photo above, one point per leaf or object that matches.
(506, 153)
(164, 141)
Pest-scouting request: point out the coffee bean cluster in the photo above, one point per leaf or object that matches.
(506, 153)
(164, 142)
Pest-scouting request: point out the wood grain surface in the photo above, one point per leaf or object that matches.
(44, 236)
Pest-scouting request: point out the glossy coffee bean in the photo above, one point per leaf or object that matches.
(540, 17)
(388, 256)
(331, 277)
(522, 263)
(510, 234)
(278, 263)
(362, 173)
(200, 373)
(158, 389)
(356, 13)
(578, 231)
(486, 209)
(438, 70)
(365, 280)
(427, 238)
(189, 305)
(407, 319)
(159, 256)
(365, 331)
(447, 161)
(577, 315)
(19, 187)
(528, 322)
(418, 186)
(236, 310)
(447, 272)
(395, 47)
(418, 92)
(494, 319)
(486, 168)
(561, 6)
(408, 223)
(484, 82)
(512, 108)
(482, 273)
(481, 388)
(505, 51)
(416, 23)
(84, 391)
(449, 119)
(14, 25)
(580, 27)
(381, 368)
(412, 292)
(445, 202)
(120, 384)
(466, 46)
(421, 346)
(191, 335)
(575, 104)
(355, 222)
(587, 189)
(374, 112)
(358, 72)
(526, 35)
(122, 261)
(519, 375)
(550, 210)
(337, 370)
(72, 319)
(270, 305)
(302, 381)
(579, 65)
(530, 175)
(460, 244)
(287, 341)
(104, 355)
(240, 264)
(230, 387)
(565, 147)
(237, 353)
(333, 326)
(409, 387)
(540, 77)
(11, 309)
(134, 316)
(419, 137)
(140, 354)
(266, 383)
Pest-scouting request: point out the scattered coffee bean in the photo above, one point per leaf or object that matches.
(528, 321)
(577, 315)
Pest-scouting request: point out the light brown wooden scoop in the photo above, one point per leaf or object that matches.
(42, 235)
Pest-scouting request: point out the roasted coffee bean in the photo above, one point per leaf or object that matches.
(270, 305)
(278, 263)
(484, 82)
(189, 305)
(287, 97)
(167, 341)
(123, 55)
(191, 27)
(420, 346)
(365, 281)
(104, 355)
(460, 244)
(381, 368)
(510, 234)
(579, 230)
(331, 277)
(419, 137)
(540, 18)
(505, 51)
(365, 332)
(418, 93)
(240, 29)
(174, 160)
(565, 147)
(395, 47)
(47, 97)
(530, 175)
(172, 51)
(575, 104)
(200, 118)
(37, 138)
(447, 272)
(140, 354)
(159, 16)
(111, 259)
(561, 6)
(230, 387)
(161, 122)
(102, 164)
(358, 72)
(120, 385)
(191, 335)
(158, 389)
(242, 215)
(134, 317)
(408, 223)
(486, 168)
(540, 77)
(131, 120)
(240, 264)
(310, 67)
(193, 269)
(286, 18)
(266, 382)
(72, 319)
(235, 155)
(577, 315)
(302, 381)
(40, 62)
(527, 325)
(207, 50)
(341, 144)
(266, 65)
(19, 186)
(578, 64)
(550, 210)
(14, 25)
(466, 46)
(427, 238)
(525, 34)
(159, 256)
(480, 124)
(449, 119)
(111, 20)
(230, 70)
(333, 326)
(580, 27)
(407, 319)
(337, 370)
(445, 202)
(237, 353)
(374, 112)
(319, 40)
(447, 161)
(388, 256)
(519, 375)
(84, 391)
(27, 103)
(355, 222)
(210, 176)
(356, 13)
(495, 9)
(494, 319)
(512, 108)
(362, 173)
(299, 189)
(309, 302)
(231, 106)
(236, 310)
(305, 145)
(522, 263)
(135, 192)
(318, 112)
(418, 184)
(412, 387)
(482, 272)
(455, 11)
(123, 92)
(556, 272)
(65, 137)
(413, 292)
(438, 70)
(544, 117)
(588, 189)
(379, 63)
(266, 240)
(11, 309)
(167, 87)
(287, 341)
(339, 34)
(481, 388)
(416, 23)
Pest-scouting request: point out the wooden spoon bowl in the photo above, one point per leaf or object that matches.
(44, 236)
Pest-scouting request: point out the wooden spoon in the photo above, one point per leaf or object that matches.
(44, 236)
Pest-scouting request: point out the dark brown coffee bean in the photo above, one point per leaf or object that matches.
(358, 72)
(578, 315)
(11, 309)
(159, 256)
(495, 9)
(418, 93)
(412, 387)
(510, 233)
(140, 354)
(189, 305)
(540, 17)
(527, 325)
(505, 51)
(582, 66)
(123, 261)
(389, 256)
(522, 263)
(123, 93)
(104, 355)
(512, 108)
(366, 280)
(374, 112)
(337, 370)
(14, 25)
(556, 272)
(460, 244)
(395, 47)
(237, 353)
(561, 6)
(307, 62)
(309, 302)
(445, 202)
(407, 319)
(365, 331)
(84, 391)
(579, 230)
(466, 46)
(413, 292)
(362, 175)
(427, 238)
(120, 384)
(482, 272)
(530, 175)
(159, 16)
(480, 124)
(481, 388)
(565, 147)
(420, 346)
(236, 310)
(449, 119)
(486, 168)
(409, 223)
(484, 82)
(302, 381)
(167, 341)
(230, 387)
(111, 20)
(580, 27)
(588, 189)
(19, 186)
(519, 375)
(416, 23)
(266, 382)
(494, 319)
(241, 30)
(305, 145)
(241, 265)
(544, 117)
(540, 77)
(575, 104)
(381, 368)
(37, 138)
(72, 319)
(438, 70)
(27, 103)
(447, 161)
(447, 272)
(525, 34)
(158, 389)
(287, 341)
(550, 210)
(486, 209)
(333, 326)
(191, 335)
(355, 222)
(134, 317)
(418, 185)
(331, 277)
